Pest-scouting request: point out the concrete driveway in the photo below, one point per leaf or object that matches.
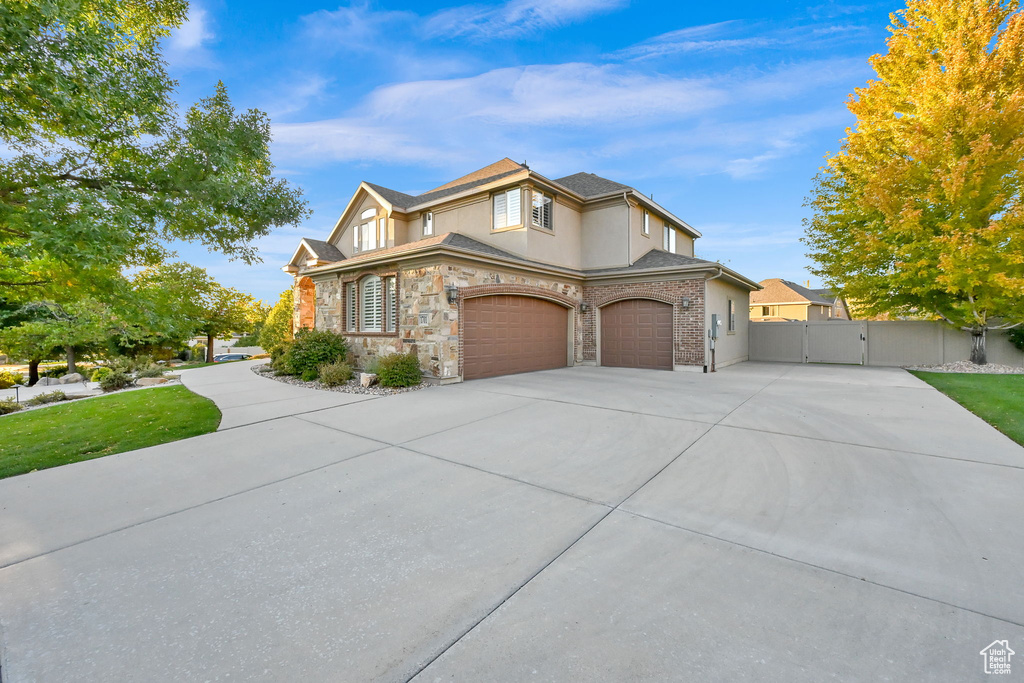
(767, 522)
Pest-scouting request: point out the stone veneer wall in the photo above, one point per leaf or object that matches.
(688, 323)
(429, 326)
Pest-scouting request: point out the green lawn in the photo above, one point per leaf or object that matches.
(997, 399)
(91, 428)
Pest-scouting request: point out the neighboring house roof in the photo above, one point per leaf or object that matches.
(589, 185)
(826, 294)
(324, 250)
(779, 291)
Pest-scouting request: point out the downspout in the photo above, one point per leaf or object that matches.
(711, 340)
(629, 232)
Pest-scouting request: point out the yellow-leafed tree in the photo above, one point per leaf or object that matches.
(921, 211)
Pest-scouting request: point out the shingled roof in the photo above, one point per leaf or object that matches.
(655, 258)
(779, 291)
(496, 171)
(324, 250)
(589, 185)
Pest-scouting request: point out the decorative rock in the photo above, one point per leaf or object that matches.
(150, 381)
(73, 378)
(367, 379)
(47, 381)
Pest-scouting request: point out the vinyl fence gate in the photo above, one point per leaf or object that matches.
(810, 342)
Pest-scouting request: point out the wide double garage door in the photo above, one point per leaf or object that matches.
(637, 333)
(507, 334)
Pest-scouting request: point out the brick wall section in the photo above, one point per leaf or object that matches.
(304, 303)
(688, 323)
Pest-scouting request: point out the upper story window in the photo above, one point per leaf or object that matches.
(371, 233)
(645, 227)
(670, 238)
(508, 209)
(542, 210)
(428, 223)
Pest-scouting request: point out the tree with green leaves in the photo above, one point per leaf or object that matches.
(922, 209)
(277, 330)
(28, 341)
(101, 172)
(188, 301)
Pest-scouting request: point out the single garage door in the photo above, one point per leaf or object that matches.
(506, 334)
(637, 333)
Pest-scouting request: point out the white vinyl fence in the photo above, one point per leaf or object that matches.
(873, 342)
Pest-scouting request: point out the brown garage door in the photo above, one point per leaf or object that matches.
(637, 333)
(507, 334)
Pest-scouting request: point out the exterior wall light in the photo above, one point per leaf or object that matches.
(685, 302)
(584, 307)
(452, 293)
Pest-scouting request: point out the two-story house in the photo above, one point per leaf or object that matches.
(781, 300)
(504, 270)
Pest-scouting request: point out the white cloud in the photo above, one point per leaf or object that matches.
(355, 27)
(187, 45)
(515, 17)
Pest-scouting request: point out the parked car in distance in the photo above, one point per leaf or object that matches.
(230, 356)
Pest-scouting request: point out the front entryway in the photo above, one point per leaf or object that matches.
(506, 334)
(637, 333)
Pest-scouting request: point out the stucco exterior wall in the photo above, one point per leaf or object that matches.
(730, 347)
(344, 243)
(562, 245)
(604, 243)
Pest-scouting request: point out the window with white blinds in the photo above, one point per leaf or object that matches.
(390, 304)
(508, 209)
(670, 238)
(542, 210)
(370, 304)
(351, 306)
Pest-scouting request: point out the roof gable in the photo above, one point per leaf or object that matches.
(589, 185)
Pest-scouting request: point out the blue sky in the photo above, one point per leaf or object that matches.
(724, 112)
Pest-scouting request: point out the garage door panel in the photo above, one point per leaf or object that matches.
(637, 333)
(505, 334)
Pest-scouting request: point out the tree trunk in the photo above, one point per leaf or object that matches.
(978, 356)
(209, 348)
(72, 368)
(33, 372)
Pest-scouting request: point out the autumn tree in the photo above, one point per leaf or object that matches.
(921, 211)
(277, 330)
(99, 171)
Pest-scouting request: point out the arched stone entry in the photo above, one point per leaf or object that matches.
(305, 304)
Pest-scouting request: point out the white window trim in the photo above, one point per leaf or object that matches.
(370, 304)
(645, 226)
(428, 223)
(502, 219)
(550, 206)
(669, 242)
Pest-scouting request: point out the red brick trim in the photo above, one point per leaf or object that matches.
(520, 290)
(655, 296)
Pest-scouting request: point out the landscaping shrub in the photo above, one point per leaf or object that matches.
(311, 349)
(399, 370)
(99, 373)
(335, 374)
(8, 378)
(309, 375)
(184, 355)
(248, 340)
(199, 352)
(371, 365)
(151, 371)
(116, 380)
(48, 397)
(58, 371)
(1016, 336)
(9, 406)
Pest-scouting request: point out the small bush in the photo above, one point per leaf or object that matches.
(9, 406)
(372, 365)
(151, 371)
(399, 370)
(48, 397)
(116, 380)
(199, 352)
(310, 375)
(58, 371)
(335, 374)
(99, 373)
(184, 355)
(248, 340)
(313, 348)
(1016, 336)
(8, 378)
